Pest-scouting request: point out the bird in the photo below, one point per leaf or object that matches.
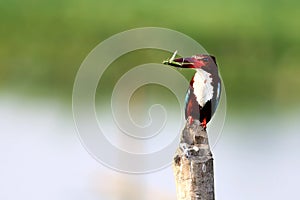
(203, 94)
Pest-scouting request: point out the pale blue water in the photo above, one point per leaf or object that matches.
(42, 158)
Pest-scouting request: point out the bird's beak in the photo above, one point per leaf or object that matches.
(179, 62)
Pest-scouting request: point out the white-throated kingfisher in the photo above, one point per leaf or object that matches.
(204, 92)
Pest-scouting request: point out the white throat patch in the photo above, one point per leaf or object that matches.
(203, 88)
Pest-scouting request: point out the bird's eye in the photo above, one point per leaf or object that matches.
(205, 59)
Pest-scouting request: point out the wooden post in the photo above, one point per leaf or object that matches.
(193, 165)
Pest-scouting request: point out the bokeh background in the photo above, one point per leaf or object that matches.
(42, 44)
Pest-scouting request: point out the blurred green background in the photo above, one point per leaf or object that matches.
(43, 43)
(256, 43)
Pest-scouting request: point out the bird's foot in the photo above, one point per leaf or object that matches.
(204, 124)
(191, 120)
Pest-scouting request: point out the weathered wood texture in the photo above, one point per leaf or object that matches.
(193, 165)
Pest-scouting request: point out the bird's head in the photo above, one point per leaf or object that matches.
(194, 62)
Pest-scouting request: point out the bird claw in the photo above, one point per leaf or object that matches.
(204, 124)
(190, 120)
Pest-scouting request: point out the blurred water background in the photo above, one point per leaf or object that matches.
(42, 44)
